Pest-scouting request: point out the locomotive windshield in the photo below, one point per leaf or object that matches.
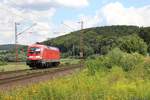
(34, 50)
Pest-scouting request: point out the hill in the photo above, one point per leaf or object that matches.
(98, 40)
(7, 47)
(10, 47)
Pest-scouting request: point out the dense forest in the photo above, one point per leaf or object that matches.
(100, 40)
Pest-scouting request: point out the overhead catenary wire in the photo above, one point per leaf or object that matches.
(13, 14)
(24, 18)
(81, 37)
(68, 26)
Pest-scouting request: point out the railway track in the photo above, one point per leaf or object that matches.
(13, 76)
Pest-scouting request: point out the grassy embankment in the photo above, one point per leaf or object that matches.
(13, 67)
(115, 76)
(22, 65)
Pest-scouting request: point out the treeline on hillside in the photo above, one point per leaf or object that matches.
(100, 40)
(7, 47)
(8, 54)
(97, 41)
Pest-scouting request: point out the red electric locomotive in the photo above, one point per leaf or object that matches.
(42, 56)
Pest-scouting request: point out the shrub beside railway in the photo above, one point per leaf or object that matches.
(116, 57)
(2, 61)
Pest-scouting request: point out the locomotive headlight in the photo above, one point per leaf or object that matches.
(30, 57)
(38, 57)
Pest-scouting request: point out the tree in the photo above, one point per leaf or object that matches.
(133, 43)
(145, 35)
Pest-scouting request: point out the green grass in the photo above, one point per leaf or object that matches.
(13, 67)
(111, 85)
(116, 76)
(69, 61)
(22, 66)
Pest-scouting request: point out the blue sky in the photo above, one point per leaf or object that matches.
(49, 15)
(64, 13)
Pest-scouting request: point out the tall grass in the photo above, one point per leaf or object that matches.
(105, 78)
(101, 86)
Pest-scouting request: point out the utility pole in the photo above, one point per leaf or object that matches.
(16, 37)
(81, 40)
(16, 41)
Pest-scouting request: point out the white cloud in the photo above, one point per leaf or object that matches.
(73, 3)
(113, 14)
(46, 4)
(7, 19)
(117, 14)
(43, 18)
(43, 28)
(28, 12)
(40, 32)
(110, 14)
(91, 21)
(88, 21)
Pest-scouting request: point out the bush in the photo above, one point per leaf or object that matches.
(93, 56)
(133, 43)
(93, 66)
(10, 57)
(2, 61)
(126, 61)
(116, 57)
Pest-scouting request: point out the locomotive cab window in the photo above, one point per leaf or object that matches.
(35, 50)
